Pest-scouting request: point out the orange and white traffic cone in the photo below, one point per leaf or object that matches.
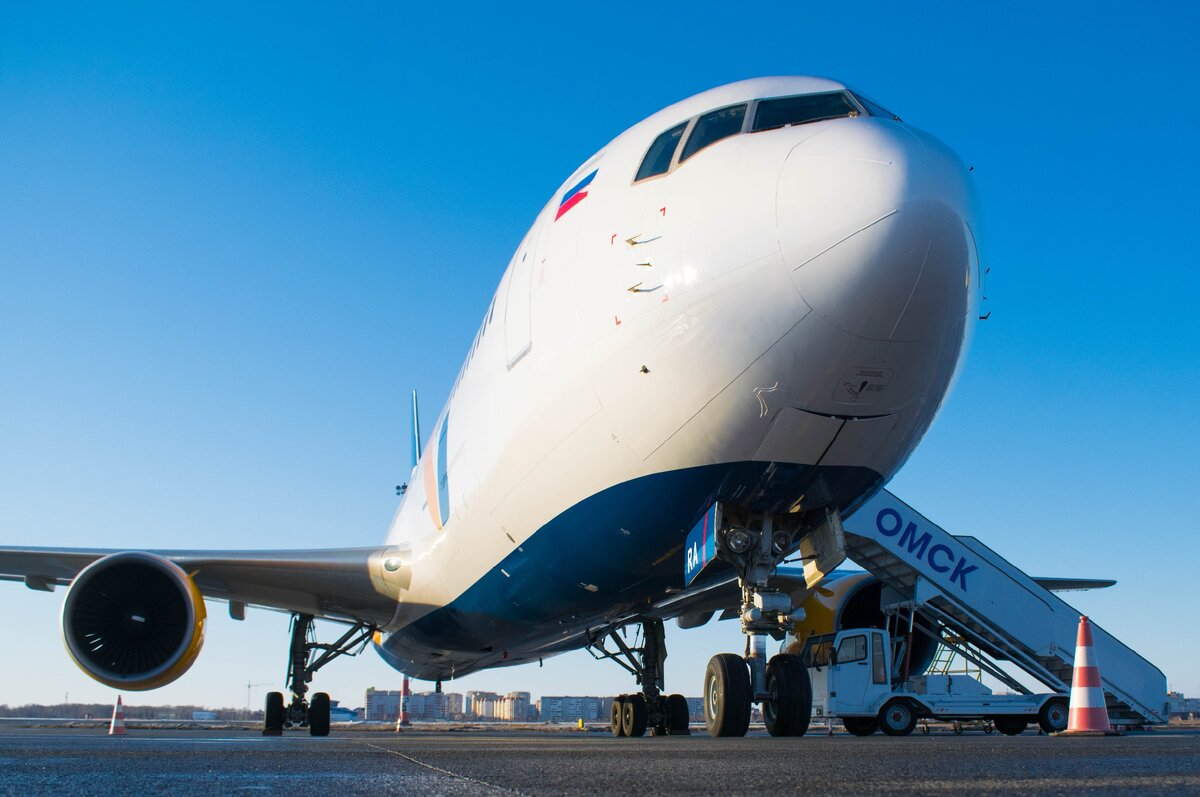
(1088, 714)
(117, 726)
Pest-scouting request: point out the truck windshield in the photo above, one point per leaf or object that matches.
(816, 652)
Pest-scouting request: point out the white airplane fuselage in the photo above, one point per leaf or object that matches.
(773, 322)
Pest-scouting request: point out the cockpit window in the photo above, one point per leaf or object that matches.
(874, 109)
(658, 158)
(785, 111)
(712, 127)
(769, 114)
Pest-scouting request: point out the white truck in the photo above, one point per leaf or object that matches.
(854, 680)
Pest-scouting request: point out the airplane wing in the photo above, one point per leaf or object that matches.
(347, 584)
(696, 605)
(1072, 584)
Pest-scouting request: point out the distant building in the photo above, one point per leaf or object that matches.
(570, 708)
(427, 706)
(454, 705)
(340, 714)
(481, 705)
(695, 709)
(514, 707)
(1187, 708)
(382, 705)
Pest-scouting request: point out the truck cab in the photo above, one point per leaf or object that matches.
(851, 671)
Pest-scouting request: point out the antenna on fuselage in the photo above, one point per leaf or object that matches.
(416, 431)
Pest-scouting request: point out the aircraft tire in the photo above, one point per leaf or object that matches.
(1010, 726)
(633, 716)
(897, 718)
(727, 696)
(861, 726)
(1054, 715)
(273, 713)
(789, 710)
(678, 716)
(617, 716)
(318, 715)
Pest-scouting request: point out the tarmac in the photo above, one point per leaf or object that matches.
(77, 762)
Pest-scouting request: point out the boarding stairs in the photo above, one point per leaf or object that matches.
(961, 584)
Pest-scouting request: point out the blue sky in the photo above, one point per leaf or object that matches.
(232, 240)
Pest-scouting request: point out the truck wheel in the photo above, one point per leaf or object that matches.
(617, 715)
(727, 696)
(861, 726)
(897, 718)
(1010, 726)
(789, 710)
(1053, 716)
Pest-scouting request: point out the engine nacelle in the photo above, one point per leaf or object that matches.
(853, 601)
(133, 621)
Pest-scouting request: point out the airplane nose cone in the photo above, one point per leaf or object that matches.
(874, 227)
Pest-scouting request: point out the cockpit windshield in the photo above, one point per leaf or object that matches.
(712, 127)
(772, 114)
(767, 114)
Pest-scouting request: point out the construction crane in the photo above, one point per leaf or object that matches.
(250, 686)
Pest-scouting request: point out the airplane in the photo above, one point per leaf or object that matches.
(745, 311)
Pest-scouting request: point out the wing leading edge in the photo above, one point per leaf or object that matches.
(349, 584)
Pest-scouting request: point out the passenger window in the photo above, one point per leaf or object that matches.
(785, 111)
(658, 158)
(878, 661)
(852, 648)
(712, 127)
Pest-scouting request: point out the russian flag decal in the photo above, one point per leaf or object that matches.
(575, 195)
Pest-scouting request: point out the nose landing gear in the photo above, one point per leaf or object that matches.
(731, 683)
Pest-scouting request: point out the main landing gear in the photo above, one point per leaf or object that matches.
(755, 547)
(307, 656)
(650, 709)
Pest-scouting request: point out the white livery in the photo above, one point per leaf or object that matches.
(748, 307)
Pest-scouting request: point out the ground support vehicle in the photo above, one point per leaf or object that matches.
(852, 679)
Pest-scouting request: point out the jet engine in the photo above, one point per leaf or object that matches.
(133, 621)
(853, 601)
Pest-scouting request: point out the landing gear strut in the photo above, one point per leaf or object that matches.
(650, 709)
(306, 657)
(755, 546)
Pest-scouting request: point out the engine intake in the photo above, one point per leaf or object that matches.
(133, 620)
(853, 601)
